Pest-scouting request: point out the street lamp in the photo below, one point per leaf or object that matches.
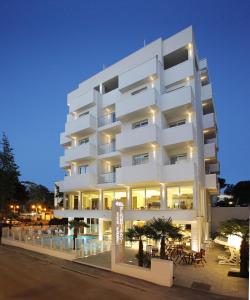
(14, 207)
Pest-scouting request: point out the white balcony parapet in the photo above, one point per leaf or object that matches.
(135, 174)
(138, 75)
(212, 182)
(85, 124)
(184, 170)
(180, 97)
(210, 151)
(63, 162)
(209, 121)
(84, 213)
(179, 72)
(206, 92)
(77, 182)
(64, 140)
(137, 137)
(203, 64)
(110, 98)
(84, 151)
(77, 101)
(178, 134)
(134, 105)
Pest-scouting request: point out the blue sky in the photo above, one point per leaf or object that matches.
(48, 47)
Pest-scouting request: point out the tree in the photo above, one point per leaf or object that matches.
(229, 190)
(135, 234)
(161, 229)
(9, 173)
(239, 228)
(39, 194)
(241, 193)
(76, 224)
(222, 182)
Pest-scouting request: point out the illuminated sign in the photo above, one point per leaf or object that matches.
(119, 220)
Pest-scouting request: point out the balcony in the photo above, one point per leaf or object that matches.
(107, 178)
(213, 168)
(178, 134)
(107, 119)
(212, 183)
(144, 173)
(63, 162)
(135, 138)
(84, 151)
(82, 125)
(64, 140)
(210, 151)
(180, 97)
(77, 182)
(182, 171)
(206, 92)
(110, 98)
(106, 148)
(209, 121)
(77, 101)
(179, 72)
(137, 105)
(139, 75)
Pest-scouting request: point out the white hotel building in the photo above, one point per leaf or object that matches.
(143, 131)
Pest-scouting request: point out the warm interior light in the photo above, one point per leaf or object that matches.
(234, 241)
(203, 77)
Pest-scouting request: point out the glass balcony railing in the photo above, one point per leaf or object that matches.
(107, 119)
(106, 148)
(107, 177)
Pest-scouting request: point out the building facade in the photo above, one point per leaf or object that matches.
(143, 131)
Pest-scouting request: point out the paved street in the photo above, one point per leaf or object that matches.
(27, 275)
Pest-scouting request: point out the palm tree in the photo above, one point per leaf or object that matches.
(76, 224)
(161, 229)
(239, 228)
(136, 233)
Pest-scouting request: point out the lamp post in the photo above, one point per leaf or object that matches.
(14, 207)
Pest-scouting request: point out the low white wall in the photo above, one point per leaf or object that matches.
(220, 214)
(46, 251)
(161, 271)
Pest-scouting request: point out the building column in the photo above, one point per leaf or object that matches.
(100, 229)
(163, 196)
(79, 200)
(129, 198)
(65, 201)
(196, 230)
(100, 200)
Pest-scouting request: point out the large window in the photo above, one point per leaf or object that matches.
(178, 158)
(90, 200)
(140, 159)
(148, 198)
(180, 197)
(110, 196)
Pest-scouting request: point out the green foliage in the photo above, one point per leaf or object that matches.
(77, 224)
(9, 173)
(161, 229)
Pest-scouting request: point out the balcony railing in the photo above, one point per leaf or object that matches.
(107, 119)
(107, 177)
(140, 161)
(107, 148)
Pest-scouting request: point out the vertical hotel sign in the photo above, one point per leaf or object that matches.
(119, 221)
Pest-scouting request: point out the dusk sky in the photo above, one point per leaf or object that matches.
(48, 47)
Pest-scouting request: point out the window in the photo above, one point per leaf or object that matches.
(83, 114)
(83, 169)
(140, 124)
(180, 197)
(177, 123)
(148, 198)
(178, 158)
(139, 91)
(176, 57)
(140, 159)
(83, 141)
(176, 85)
